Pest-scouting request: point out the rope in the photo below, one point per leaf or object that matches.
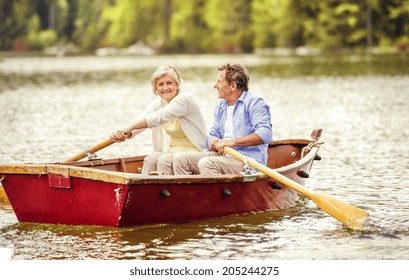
(308, 148)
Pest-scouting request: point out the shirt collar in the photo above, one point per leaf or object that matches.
(224, 104)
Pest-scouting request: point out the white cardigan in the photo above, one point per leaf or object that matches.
(184, 107)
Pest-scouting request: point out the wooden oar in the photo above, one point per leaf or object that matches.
(350, 216)
(3, 196)
(91, 150)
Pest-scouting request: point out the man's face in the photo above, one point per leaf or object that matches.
(221, 85)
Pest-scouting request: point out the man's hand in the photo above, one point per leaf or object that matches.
(221, 143)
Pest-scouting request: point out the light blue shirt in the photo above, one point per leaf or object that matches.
(251, 114)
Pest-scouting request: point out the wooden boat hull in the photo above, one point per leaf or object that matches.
(76, 194)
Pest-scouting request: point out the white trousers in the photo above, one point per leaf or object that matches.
(205, 163)
(158, 161)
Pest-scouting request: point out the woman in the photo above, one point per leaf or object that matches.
(176, 121)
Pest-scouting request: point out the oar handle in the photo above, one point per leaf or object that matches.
(91, 150)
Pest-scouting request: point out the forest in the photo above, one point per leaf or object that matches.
(203, 26)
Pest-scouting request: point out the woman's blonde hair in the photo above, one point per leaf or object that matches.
(163, 70)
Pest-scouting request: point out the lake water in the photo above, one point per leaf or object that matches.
(53, 108)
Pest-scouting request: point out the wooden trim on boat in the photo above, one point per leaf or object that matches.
(290, 141)
(120, 177)
(123, 174)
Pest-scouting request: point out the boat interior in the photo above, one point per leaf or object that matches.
(280, 153)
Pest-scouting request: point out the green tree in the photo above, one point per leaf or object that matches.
(204, 25)
(263, 15)
(31, 24)
(282, 23)
(47, 26)
(90, 28)
(189, 30)
(229, 24)
(391, 21)
(339, 23)
(13, 26)
(129, 21)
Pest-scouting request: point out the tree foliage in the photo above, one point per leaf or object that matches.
(189, 31)
(198, 26)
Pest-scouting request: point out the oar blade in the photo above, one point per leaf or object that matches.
(351, 216)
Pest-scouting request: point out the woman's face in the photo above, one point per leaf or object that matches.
(166, 87)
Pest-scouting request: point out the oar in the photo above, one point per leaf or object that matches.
(350, 216)
(91, 150)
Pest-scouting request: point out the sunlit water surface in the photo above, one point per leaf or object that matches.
(53, 108)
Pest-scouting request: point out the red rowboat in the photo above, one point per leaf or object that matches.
(112, 192)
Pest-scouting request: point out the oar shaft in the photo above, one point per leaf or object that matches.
(91, 150)
(268, 171)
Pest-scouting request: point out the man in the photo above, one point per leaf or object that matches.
(241, 121)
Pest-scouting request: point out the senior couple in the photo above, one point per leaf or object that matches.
(180, 141)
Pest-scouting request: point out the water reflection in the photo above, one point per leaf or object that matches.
(179, 241)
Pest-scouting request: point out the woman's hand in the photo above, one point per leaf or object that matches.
(119, 136)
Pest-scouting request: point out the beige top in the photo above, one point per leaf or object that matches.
(186, 110)
(178, 141)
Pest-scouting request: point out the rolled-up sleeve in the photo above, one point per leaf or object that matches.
(261, 121)
(178, 107)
